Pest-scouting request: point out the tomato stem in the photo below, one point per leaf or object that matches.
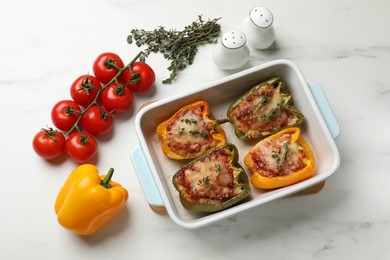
(51, 133)
(120, 90)
(109, 63)
(84, 139)
(87, 85)
(70, 110)
(135, 77)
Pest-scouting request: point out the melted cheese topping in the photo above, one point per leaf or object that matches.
(210, 178)
(190, 133)
(262, 111)
(277, 157)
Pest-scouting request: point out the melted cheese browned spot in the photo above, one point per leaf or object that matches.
(262, 111)
(277, 157)
(190, 133)
(211, 177)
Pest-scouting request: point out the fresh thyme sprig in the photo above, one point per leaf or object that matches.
(274, 111)
(281, 160)
(189, 121)
(264, 99)
(179, 47)
(202, 134)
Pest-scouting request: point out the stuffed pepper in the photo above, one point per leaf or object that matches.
(190, 132)
(212, 182)
(265, 109)
(280, 160)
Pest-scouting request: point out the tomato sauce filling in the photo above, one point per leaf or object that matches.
(262, 111)
(209, 178)
(190, 132)
(278, 157)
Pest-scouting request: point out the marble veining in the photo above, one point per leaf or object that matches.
(342, 45)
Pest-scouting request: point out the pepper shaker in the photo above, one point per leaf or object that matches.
(258, 28)
(231, 52)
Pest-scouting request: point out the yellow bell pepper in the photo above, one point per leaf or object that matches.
(280, 160)
(190, 132)
(87, 201)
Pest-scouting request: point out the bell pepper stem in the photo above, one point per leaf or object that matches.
(106, 181)
(222, 121)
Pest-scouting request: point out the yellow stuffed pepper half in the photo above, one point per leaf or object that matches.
(280, 160)
(190, 132)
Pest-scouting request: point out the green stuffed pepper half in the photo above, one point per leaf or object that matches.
(265, 109)
(213, 182)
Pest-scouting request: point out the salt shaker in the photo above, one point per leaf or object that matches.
(231, 52)
(258, 28)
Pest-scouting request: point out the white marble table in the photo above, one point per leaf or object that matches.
(342, 45)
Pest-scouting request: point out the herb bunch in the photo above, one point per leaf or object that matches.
(178, 47)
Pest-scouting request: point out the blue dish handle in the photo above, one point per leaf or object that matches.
(145, 177)
(325, 109)
(144, 173)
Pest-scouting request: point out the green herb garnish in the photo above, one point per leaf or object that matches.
(205, 181)
(264, 99)
(189, 121)
(274, 111)
(181, 131)
(179, 47)
(275, 154)
(282, 160)
(202, 134)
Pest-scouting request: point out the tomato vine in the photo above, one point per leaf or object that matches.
(108, 63)
(80, 144)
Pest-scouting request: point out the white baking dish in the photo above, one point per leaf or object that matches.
(155, 171)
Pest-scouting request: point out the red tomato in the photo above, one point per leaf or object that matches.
(97, 121)
(49, 143)
(84, 89)
(102, 69)
(117, 99)
(80, 147)
(143, 77)
(65, 114)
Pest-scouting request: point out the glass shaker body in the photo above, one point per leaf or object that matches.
(258, 28)
(231, 52)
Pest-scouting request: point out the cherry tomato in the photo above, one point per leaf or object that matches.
(117, 99)
(49, 143)
(143, 77)
(81, 147)
(97, 121)
(84, 89)
(106, 65)
(65, 114)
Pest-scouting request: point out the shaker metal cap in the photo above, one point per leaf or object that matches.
(233, 39)
(261, 17)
